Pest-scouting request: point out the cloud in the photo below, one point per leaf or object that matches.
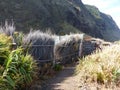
(111, 7)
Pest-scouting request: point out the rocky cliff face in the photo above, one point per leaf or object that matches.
(62, 16)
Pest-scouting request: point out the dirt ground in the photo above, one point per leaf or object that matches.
(64, 80)
(67, 80)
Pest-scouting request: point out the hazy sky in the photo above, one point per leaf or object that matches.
(111, 7)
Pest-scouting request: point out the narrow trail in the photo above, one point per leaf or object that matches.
(67, 80)
(64, 80)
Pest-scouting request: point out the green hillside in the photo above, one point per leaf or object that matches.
(61, 16)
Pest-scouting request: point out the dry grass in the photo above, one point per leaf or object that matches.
(41, 45)
(67, 48)
(8, 28)
(102, 67)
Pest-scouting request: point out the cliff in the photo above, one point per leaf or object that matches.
(61, 16)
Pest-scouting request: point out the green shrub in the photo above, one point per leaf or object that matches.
(17, 69)
(18, 37)
(58, 67)
(5, 42)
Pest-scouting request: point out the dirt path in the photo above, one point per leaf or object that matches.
(67, 80)
(64, 80)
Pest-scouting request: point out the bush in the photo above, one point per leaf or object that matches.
(101, 67)
(5, 42)
(58, 67)
(17, 69)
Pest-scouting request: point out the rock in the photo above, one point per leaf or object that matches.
(62, 16)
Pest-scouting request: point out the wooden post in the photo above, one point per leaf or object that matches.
(54, 62)
(80, 45)
(13, 46)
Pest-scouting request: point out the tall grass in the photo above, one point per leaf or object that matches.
(17, 69)
(101, 67)
(5, 43)
(18, 38)
(7, 29)
(41, 45)
(67, 48)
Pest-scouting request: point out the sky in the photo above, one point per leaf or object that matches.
(110, 7)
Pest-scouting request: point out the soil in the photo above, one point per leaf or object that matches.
(67, 80)
(64, 80)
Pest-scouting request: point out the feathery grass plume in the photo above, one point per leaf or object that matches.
(67, 47)
(41, 45)
(101, 66)
(8, 28)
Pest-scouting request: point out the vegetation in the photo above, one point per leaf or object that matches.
(67, 48)
(41, 45)
(8, 28)
(17, 69)
(102, 67)
(94, 11)
(61, 16)
(58, 67)
(67, 28)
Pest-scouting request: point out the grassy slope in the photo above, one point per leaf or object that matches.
(102, 67)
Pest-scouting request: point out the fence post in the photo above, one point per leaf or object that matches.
(13, 46)
(80, 45)
(54, 57)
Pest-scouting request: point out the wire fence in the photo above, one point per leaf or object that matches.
(54, 59)
(43, 61)
(77, 52)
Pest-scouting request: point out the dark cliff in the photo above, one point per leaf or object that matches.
(61, 16)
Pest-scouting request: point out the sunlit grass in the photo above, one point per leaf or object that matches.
(102, 67)
(17, 68)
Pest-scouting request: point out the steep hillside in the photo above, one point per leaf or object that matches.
(62, 16)
(105, 23)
